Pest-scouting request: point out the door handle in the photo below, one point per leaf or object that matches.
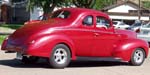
(96, 34)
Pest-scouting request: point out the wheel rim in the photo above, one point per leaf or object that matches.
(60, 56)
(138, 56)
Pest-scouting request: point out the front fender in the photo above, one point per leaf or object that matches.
(125, 48)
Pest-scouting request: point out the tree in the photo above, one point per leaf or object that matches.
(146, 4)
(93, 4)
(47, 5)
(99, 4)
(84, 3)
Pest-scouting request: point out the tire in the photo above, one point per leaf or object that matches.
(60, 56)
(29, 60)
(138, 57)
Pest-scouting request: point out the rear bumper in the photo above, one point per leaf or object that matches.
(30, 49)
(7, 47)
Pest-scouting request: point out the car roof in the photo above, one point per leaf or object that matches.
(85, 10)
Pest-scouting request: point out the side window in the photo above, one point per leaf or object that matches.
(88, 20)
(102, 22)
(61, 14)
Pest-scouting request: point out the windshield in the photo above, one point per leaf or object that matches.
(146, 26)
(137, 24)
(61, 14)
(121, 23)
(114, 23)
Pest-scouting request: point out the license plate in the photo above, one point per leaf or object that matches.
(19, 56)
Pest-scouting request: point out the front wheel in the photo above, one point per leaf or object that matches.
(138, 57)
(60, 56)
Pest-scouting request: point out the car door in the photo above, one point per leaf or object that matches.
(104, 37)
(84, 37)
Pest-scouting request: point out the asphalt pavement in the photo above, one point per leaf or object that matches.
(10, 66)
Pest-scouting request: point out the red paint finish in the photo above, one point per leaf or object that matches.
(37, 38)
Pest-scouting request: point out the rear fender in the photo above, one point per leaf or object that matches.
(125, 48)
(60, 39)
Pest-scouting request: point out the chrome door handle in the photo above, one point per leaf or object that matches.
(96, 34)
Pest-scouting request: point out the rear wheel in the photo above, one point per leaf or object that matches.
(138, 57)
(60, 56)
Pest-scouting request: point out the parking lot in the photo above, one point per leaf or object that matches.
(10, 66)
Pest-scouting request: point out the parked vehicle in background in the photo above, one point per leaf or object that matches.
(135, 27)
(75, 32)
(145, 32)
(120, 25)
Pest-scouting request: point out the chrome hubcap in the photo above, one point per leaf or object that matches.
(138, 56)
(60, 56)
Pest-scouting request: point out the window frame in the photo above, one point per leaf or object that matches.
(90, 25)
(57, 14)
(104, 18)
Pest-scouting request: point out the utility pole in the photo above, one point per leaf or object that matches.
(139, 10)
(149, 15)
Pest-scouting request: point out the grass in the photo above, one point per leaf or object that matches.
(8, 26)
(12, 26)
(2, 37)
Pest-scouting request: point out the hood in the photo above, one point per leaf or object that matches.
(126, 33)
(34, 29)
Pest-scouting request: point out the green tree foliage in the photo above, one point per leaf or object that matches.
(47, 5)
(146, 4)
(103, 3)
(84, 3)
(93, 4)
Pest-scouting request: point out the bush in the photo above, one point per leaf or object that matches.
(2, 37)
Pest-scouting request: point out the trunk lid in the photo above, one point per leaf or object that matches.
(21, 35)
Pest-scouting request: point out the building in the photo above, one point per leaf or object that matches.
(19, 12)
(14, 11)
(135, 1)
(127, 11)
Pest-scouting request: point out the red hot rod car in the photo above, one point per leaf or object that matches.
(74, 32)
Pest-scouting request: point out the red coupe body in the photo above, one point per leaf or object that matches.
(85, 32)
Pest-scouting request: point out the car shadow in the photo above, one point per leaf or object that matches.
(97, 62)
(18, 64)
(74, 64)
(77, 64)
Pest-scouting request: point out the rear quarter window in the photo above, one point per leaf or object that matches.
(61, 14)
